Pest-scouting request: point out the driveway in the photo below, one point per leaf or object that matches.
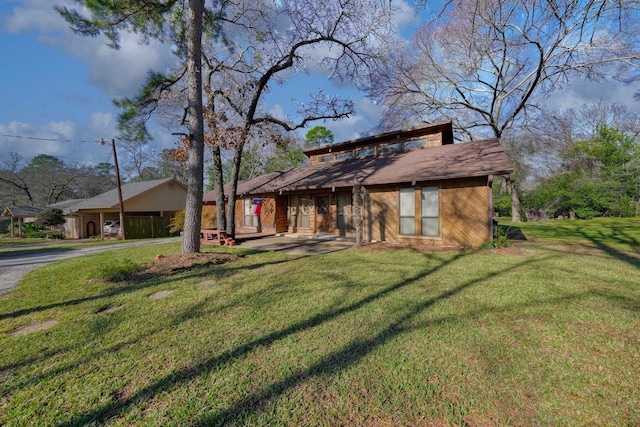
(12, 268)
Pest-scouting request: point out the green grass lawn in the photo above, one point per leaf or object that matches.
(546, 332)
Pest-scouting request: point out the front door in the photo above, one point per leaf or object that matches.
(323, 216)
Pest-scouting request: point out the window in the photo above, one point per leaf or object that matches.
(391, 148)
(304, 212)
(344, 155)
(327, 158)
(428, 211)
(430, 208)
(412, 145)
(365, 152)
(293, 211)
(342, 201)
(299, 211)
(250, 220)
(407, 211)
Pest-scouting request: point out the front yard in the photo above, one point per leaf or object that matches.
(545, 332)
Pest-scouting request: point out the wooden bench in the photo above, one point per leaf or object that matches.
(211, 236)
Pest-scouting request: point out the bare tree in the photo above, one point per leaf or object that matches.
(344, 38)
(489, 64)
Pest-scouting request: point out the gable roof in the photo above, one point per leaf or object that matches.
(22, 211)
(109, 199)
(469, 159)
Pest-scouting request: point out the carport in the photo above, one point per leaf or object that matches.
(21, 214)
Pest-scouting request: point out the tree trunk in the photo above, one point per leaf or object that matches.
(195, 162)
(235, 172)
(221, 212)
(515, 198)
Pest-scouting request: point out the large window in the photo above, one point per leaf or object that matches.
(407, 211)
(428, 211)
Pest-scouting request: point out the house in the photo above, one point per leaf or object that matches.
(148, 209)
(19, 215)
(417, 186)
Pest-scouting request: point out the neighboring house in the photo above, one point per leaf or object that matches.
(418, 187)
(148, 209)
(20, 215)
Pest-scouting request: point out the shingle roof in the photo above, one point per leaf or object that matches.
(469, 159)
(22, 211)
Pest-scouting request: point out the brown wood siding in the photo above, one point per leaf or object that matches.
(464, 213)
(381, 214)
(268, 215)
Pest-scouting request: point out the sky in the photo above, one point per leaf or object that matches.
(56, 88)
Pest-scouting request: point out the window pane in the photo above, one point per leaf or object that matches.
(246, 203)
(430, 206)
(345, 155)
(407, 226)
(391, 148)
(364, 152)
(328, 158)
(407, 202)
(293, 211)
(430, 226)
(410, 145)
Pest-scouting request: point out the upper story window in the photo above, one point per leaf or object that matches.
(327, 158)
(361, 153)
(389, 148)
(412, 145)
(344, 155)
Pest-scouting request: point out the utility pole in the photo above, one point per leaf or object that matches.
(118, 186)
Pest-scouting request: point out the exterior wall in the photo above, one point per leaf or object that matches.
(169, 197)
(267, 216)
(464, 214)
(465, 218)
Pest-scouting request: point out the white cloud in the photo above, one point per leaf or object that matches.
(117, 72)
(579, 93)
(404, 15)
(53, 138)
(363, 121)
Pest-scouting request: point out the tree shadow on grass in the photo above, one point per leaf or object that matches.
(341, 359)
(511, 232)
(222, 270)
(619, 236)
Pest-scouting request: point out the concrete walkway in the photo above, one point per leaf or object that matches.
(299, 244)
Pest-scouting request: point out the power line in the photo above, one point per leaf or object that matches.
(35, 138)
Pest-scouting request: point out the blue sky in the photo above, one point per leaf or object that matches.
(57, 85)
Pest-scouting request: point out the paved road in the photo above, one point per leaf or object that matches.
(13, 267)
